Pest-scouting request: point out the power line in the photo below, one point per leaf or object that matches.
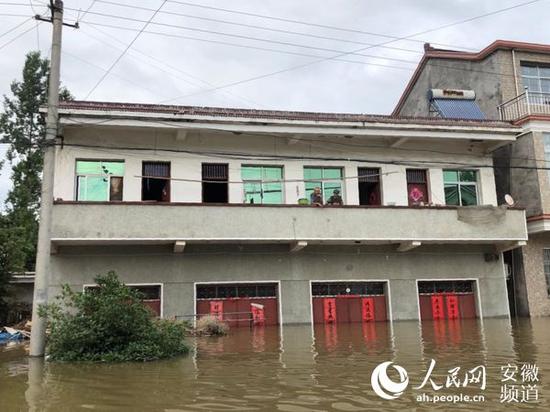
(304, 23)
(287, 52)
(264, 28)
(263, 157)
(174, 68)
(263, 76)
(87, 10)
(308, 140)
(124, 78)
(224, 43)
(125, 50)
(239, 36)
(171, 35)
(15, 27)
(18, 36)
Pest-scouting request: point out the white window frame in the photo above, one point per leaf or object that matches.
(342, 181)
(77, 176)
(261, 182)
(538, 77)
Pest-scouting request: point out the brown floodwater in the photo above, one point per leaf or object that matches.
(295, 369)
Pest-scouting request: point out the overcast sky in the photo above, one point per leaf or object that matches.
(177, 67)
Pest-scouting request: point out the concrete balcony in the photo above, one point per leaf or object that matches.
(180, 224)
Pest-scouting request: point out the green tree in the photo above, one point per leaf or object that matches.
(22, 127)
(109, 323)
(12, 260)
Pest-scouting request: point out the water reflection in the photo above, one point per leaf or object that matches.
(293, 368)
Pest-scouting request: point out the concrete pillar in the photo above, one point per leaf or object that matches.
(296, 189)
(295, 299)
(486, 187)
(183, 191)
(236, 190)
(351, 187)
(404, 299)
(178, 300)
(436, 186)
(394, 185)
(132, 184)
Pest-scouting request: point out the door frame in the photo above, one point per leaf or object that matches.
(228, 282)
(386, 295)
(476, 293)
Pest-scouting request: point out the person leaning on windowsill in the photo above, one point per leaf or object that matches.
(316, 197)
(335, 199)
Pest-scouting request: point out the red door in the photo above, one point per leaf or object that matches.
(435, 306)
(241, 311)
(350, 309)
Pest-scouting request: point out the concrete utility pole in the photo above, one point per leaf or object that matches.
(42, 277)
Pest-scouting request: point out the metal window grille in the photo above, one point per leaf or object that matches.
(446, 286)
(416, 176)
(214, 171)
(347, 288)
(233, 291)
(369, 175)
(156, 169)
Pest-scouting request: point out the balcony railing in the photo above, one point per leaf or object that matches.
(526, 104)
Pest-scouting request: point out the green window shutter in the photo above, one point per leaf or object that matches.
(468, 195)
(451, 195)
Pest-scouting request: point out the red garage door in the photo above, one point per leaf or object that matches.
(345, 302)
(447, 299)
(240, 304)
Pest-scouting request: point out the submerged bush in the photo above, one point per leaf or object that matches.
(211, 326)
(109, 323)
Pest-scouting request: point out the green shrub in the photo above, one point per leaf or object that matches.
(211, 326)
(109, 323)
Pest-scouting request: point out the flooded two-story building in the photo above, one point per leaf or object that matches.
(282, 217)
(508, 81)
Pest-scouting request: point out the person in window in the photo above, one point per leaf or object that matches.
(335, 199)
(316, 197)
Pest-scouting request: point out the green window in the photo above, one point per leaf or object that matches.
(99, 181)
(262, 184)
(328, 179)
(460, 187)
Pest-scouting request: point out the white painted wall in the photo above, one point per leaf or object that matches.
(188, 165)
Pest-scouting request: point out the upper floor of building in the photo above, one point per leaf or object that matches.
(510, 80)
(274, 176)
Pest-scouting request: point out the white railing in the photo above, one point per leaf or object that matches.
(526, 104)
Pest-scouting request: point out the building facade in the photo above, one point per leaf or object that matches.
(511, 82)
(283, 217)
